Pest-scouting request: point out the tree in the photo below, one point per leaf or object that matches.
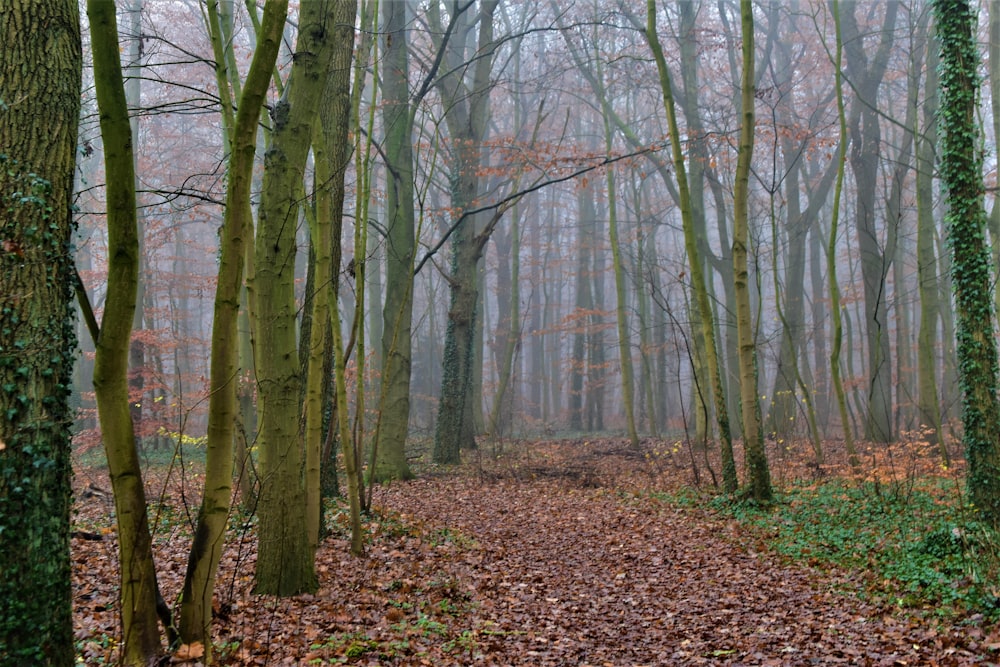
(397, 309)
(138, 594)
(700, 288)
(466, 101)
(866, 69)
(836, 323)
(332, 156)
(284, 564)
(965, 222)
(753, 437)
(928, 400)
(206, 547)
(40, 77)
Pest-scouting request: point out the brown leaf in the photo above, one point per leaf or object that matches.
(188, 652)
(12, 247)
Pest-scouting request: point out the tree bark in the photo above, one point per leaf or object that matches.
(701, 293)
(397, 309)
(223, 408)
(284, 564)
(40, 93)
(466, 114)
(141, 636)
(759, 477)
(864, 125)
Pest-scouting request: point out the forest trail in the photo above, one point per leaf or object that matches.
(583, 576)
(559, 555)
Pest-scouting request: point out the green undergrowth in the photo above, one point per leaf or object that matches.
(916, 544)
(424, 622)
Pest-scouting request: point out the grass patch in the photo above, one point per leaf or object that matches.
(919, 546)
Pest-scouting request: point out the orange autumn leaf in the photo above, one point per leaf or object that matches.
(188, 652)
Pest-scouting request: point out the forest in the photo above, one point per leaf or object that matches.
(485, 332)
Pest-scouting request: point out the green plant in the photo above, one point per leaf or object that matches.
(920, 549)
(422, 625)
(346, 646)
(463, 643)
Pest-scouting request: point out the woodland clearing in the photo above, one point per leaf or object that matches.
(568, 552)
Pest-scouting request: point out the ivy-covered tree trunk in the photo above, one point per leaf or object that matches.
(284, 564)
(206, 547)
(965, 221)
(138, 592)
(40, 68)
(467, 112)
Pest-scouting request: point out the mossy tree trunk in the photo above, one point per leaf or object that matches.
(223, 408)
(400, 224)
(41, 69)
(699, 286)
(141, 636)
(759, 477)
(284, 564)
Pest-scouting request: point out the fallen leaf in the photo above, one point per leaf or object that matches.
(188, 652)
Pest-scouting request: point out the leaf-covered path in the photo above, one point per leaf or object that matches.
(579, 576)
(560, 557)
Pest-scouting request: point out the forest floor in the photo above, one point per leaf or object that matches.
(569, 552)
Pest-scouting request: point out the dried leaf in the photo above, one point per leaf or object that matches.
(188, 652)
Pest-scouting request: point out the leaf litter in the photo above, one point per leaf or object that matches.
(551, 555)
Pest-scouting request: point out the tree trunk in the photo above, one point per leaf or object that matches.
(41, 66)
(584, 303)
(466, 114)
(140, 633)
(332, 156)
(284, 564)
(836, 325)
(397, 310)
(223, 408)
(701, 291)
(624, 344)
(866, 77)
(965, 221)
(759, 477)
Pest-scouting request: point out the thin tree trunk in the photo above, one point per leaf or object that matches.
(332, 156)
(759, 477)
(704, 306)
(928, 400)
(141, 636)
(206, 547)
(831, 255)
